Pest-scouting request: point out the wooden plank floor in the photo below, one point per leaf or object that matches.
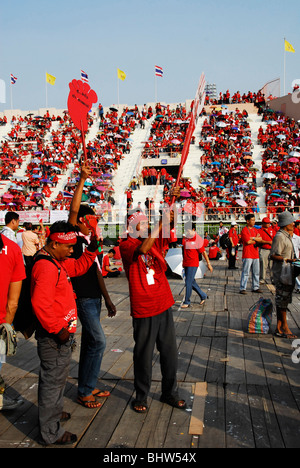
(253, 386)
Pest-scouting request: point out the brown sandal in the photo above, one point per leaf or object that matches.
(100, 393)
(88, 402)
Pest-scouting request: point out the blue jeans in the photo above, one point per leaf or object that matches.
(250, 264)
(93, 343)
(190, 284)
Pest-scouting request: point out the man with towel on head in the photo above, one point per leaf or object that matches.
(151, 301)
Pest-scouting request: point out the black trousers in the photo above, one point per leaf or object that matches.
(148, 332)
(232, 258)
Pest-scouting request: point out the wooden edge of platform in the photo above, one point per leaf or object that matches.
(197, 417)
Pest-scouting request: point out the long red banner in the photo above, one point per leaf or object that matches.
(197, 108)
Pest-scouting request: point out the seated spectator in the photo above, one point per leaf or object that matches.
(214, 252)
(107, 271)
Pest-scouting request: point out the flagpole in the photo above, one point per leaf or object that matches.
(118, 92)
(46, 89)
(284, 64)
(11, 100)
(155, 89)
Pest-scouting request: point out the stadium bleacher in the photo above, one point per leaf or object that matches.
(240, 159)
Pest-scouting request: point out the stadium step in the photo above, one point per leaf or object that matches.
(147, 191)
(130, 164)
(255, 123)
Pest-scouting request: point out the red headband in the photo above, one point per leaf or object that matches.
(137, 217)
(64, 238)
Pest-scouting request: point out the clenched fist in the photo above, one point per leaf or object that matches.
(80, 101)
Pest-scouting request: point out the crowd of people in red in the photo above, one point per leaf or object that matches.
(281, 164)
(225, 142)
(226, 161)
(106, 152)
(167, 133)
(50, 151)
(226, 98)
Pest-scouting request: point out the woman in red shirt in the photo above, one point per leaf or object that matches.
(232, 251)
(193, 245)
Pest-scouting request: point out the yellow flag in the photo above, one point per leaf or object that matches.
(288, 47)
(50, 79)
(121, 75)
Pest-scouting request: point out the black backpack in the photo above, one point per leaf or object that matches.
(225, 241)
(25, 320)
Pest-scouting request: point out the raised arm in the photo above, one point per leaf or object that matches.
(77, 197)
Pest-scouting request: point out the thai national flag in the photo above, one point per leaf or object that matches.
(13, 79)
(158, 71)
(84, 77)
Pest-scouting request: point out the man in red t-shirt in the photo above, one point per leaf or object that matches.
(151, 301)
(54, 305)
(107, 271)
(214, 252)
(250, 239)
(12, 273)
(193, 245)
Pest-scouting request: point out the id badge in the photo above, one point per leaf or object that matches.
(150, 277)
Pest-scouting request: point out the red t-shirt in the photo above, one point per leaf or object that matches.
(12, 270)
(234, 236)
(146, 300)
(52, 296)
(268, 235)
(191, 249)
(105, 263)
(249, 251)
(213, 252)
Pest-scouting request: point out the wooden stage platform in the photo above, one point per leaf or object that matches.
(253, 386)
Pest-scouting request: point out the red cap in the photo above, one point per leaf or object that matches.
(266, 220)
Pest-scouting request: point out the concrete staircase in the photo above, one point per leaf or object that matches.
(63, 179)
(150, 191)
(130, 165)
(255, 122)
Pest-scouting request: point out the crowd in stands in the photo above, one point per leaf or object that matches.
(227, 183)
(281, 152)
(48, 151)
(46, 154)
(237, 98)
(167, 132)
(228, 177)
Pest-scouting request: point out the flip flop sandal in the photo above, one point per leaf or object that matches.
(100, 393)
(139, 406)
(173, 401)
(90, 403)
(289, 336)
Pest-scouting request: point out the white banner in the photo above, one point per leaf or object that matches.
(29, 216)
